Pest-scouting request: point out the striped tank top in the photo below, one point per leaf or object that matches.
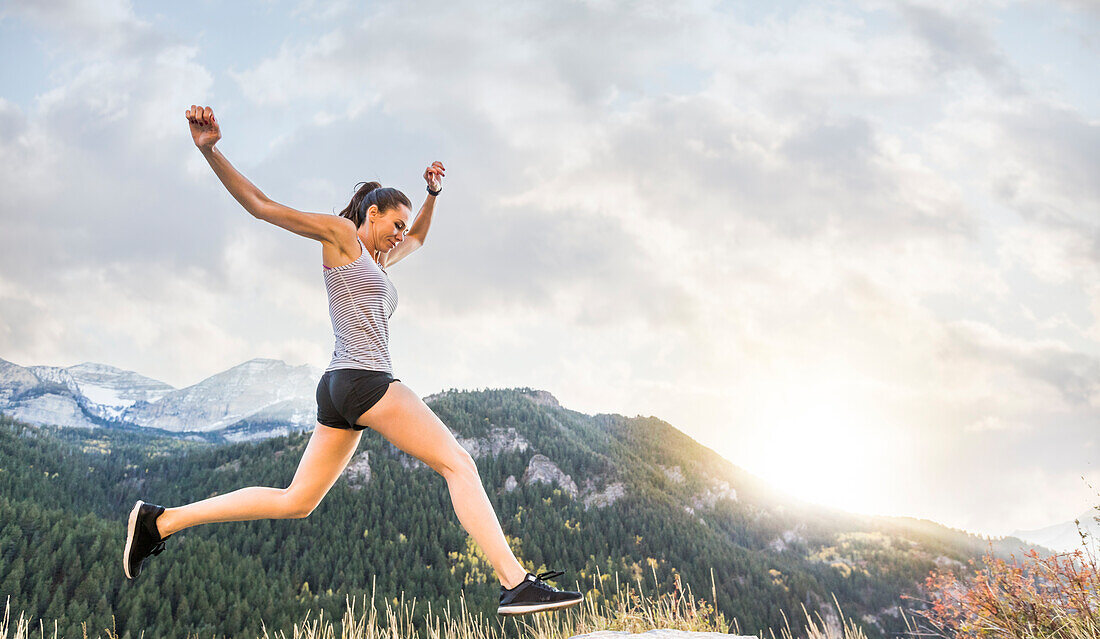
(361, 300)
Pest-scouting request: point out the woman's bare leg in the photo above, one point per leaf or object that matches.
(407, 422)
(326, 455)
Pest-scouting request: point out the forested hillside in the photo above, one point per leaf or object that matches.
(633, 496)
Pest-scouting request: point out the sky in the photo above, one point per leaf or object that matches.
(854, 247)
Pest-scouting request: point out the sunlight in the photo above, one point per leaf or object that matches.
(817, 441)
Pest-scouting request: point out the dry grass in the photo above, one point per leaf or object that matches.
(1053, 598)
(626, 609)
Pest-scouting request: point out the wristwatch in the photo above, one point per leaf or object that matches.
(434, 192)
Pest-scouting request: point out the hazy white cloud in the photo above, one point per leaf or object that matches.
(959, 40)
(1075, 375)
(107, 27)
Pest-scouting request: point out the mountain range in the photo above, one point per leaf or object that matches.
(257, 399)
(1065, 537)
(643, 496)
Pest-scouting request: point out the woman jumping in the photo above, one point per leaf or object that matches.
(357, 390)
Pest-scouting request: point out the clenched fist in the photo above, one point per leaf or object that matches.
(204, 128)
(433, 175)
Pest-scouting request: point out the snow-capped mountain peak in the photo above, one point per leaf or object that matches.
(230, 396)
(91, 394)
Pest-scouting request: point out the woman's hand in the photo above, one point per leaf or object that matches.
(204, 128)
(434, 175)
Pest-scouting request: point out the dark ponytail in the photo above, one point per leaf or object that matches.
(385, 197)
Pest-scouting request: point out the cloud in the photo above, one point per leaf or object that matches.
(1090, 9)
(993, 423)
(1075, 375)
(1053, 156)
(959, 42)
(108, 27)
(99, 154)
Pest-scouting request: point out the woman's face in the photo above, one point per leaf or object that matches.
(387, 230)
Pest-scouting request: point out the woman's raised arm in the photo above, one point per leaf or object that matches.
(317, 226)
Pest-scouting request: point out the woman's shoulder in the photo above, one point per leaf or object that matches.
(344, 232)
(345, 246)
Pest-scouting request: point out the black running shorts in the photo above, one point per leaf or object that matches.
(344, 394)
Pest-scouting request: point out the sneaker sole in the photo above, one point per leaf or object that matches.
(519, 610)
(131, 527)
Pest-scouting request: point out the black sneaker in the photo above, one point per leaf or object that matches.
(534, 595)
(142, 537)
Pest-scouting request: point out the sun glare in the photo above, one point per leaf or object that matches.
(818, 443)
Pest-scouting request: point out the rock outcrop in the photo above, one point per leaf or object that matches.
(541, 469)
(499, 440)
(605, 497)
(357, 471)
(408, 461)
(788, 538)
(542, 398)
(718, 489)
(674, 473)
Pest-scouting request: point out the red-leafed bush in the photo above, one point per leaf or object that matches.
(1051, 597)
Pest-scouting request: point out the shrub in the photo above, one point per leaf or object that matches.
(1053, 597)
